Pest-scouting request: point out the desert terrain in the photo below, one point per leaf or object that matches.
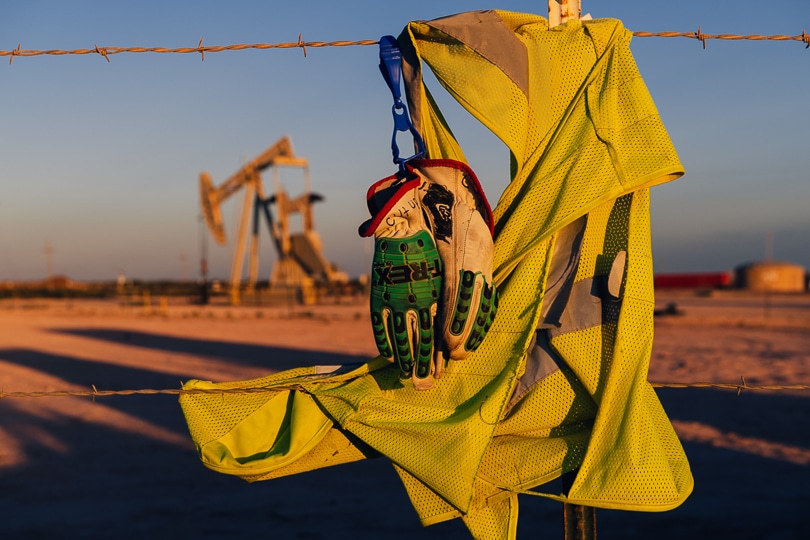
(124, 466)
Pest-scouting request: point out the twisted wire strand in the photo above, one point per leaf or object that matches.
(200, 49)
(803, 37)
(730, 386)
(106, 52)
(94, 392)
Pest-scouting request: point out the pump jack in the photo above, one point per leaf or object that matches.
(299, 254)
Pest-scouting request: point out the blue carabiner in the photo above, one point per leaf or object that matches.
(391, 69)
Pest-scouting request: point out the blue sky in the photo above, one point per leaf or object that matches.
(100, 160)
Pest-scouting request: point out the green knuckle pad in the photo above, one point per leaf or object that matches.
(406, 276)
(380, 336)
(401, 342)
(464, 296)
(425, 354)
(483, 318)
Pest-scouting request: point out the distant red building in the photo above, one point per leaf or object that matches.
(696, 280)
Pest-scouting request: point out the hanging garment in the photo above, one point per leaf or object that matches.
(559, 385)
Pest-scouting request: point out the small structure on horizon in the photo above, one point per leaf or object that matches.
(771, 276)
(761, 276)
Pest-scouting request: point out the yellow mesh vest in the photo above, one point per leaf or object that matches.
(559, 384)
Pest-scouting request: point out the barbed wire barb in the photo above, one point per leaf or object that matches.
(14, 52)
(700, 37)
(103, 52)
(302, 45)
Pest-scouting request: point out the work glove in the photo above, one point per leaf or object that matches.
(448, 203)
(461, 221)
(406, 276)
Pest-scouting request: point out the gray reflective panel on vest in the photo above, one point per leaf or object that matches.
(485, 33)
(563, 269)
(541, 362)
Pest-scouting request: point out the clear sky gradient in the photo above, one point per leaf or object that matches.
(100, 161)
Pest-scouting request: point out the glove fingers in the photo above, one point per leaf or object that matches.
(439, 362)
(423, 344)
(460, 310)
(423, 370)
(402, 334)
(485, 316)
(393, 337)
(412, 334)
(470, 314)
(380, 324)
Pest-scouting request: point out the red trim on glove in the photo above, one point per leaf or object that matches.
(377, 214)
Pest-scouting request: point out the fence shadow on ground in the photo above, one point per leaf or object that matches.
(273, 358)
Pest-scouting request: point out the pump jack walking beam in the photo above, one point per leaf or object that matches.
(248, 177)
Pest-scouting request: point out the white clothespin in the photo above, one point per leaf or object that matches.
(561, 11)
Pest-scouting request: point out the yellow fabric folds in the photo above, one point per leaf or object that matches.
(559, 384)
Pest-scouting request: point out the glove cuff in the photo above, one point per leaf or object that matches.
(381, 198)
(474, 184)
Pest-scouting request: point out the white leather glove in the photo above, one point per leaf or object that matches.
(444, 199)
(461, 221)
(406, 277)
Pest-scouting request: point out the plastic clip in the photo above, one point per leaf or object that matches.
(391, 69)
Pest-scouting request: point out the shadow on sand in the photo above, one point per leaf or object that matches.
(275, 358)
(82, 479)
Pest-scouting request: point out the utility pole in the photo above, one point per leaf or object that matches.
(203, 262)
(183, 267)
(48, 260)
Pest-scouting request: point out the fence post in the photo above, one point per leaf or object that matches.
(579, 521)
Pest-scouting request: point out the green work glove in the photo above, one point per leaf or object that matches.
(442, 266)
(406, 277)
(461, 221)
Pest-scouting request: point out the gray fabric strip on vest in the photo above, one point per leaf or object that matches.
(541, 362)
(616, 278)
(563, 268)
(487, 34)
(590, 304)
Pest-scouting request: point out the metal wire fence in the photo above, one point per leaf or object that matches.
(95, 392)
(201, 49)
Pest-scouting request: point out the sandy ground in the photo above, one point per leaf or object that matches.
(124, 466)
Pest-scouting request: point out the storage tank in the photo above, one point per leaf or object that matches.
(771, 276)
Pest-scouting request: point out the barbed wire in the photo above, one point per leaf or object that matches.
(106, 52)
(700, 36)
(94, 392)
